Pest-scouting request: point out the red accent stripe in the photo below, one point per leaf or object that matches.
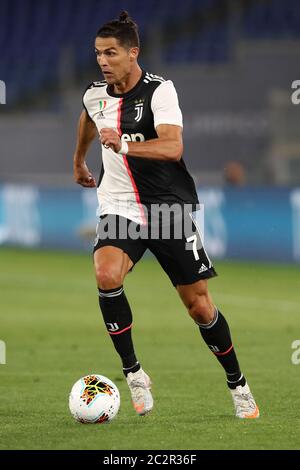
(122, 331)
(223, 353)
(137, 196)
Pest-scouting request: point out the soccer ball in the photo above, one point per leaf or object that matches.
(94, 399)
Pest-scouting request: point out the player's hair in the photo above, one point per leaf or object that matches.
(125, 30)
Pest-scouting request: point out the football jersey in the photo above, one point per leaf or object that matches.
(129, 184)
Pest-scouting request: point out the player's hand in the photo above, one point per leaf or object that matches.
(83, 176)
(110, 138)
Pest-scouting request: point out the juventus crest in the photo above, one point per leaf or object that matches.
(139, 110)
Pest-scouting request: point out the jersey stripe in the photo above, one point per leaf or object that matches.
(136, 193)
(150, 77)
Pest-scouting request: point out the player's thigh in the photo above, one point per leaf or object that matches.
(115, 252)
(183, 256)
(111, 261)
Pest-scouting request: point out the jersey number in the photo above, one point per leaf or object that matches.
(193, 239)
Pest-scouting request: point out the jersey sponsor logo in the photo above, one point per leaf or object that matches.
(139, 110)
(137, 137)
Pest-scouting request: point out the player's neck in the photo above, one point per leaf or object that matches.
(130, 81)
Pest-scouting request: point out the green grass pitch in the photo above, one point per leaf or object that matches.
(54, 334)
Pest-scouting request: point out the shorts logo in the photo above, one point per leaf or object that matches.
(202, 269)
(139, 110)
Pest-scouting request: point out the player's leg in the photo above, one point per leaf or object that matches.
(213, 328)
(188, 267)
(216, 334)
(111, 267)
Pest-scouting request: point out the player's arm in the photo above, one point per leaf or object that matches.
(86, 133)
(167, 146)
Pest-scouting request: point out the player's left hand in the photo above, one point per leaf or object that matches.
(110, 138)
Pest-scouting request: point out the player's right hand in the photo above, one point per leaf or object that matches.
(83, 176)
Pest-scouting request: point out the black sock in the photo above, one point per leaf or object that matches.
(118, 320)
(217, 336)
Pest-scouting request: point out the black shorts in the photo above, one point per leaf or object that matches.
(177, 246)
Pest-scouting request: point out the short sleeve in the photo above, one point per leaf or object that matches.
(85, 99)
(165, 106)
(84, 102)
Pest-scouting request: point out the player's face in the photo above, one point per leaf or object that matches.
(114, 60)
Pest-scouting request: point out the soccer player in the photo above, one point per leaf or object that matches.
(137, 118)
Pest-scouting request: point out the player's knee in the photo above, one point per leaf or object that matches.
(108, 277)
(201, 308)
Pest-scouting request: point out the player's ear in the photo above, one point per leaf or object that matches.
(133, 53)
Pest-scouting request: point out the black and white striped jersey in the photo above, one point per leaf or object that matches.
(127, 183)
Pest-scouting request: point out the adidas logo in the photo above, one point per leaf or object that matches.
(100, 115)
(202, 269)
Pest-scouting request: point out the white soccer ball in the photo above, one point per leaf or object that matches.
(94, 399)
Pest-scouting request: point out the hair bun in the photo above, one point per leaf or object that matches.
(124, 17)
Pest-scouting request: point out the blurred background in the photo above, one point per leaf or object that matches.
(234, 64)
